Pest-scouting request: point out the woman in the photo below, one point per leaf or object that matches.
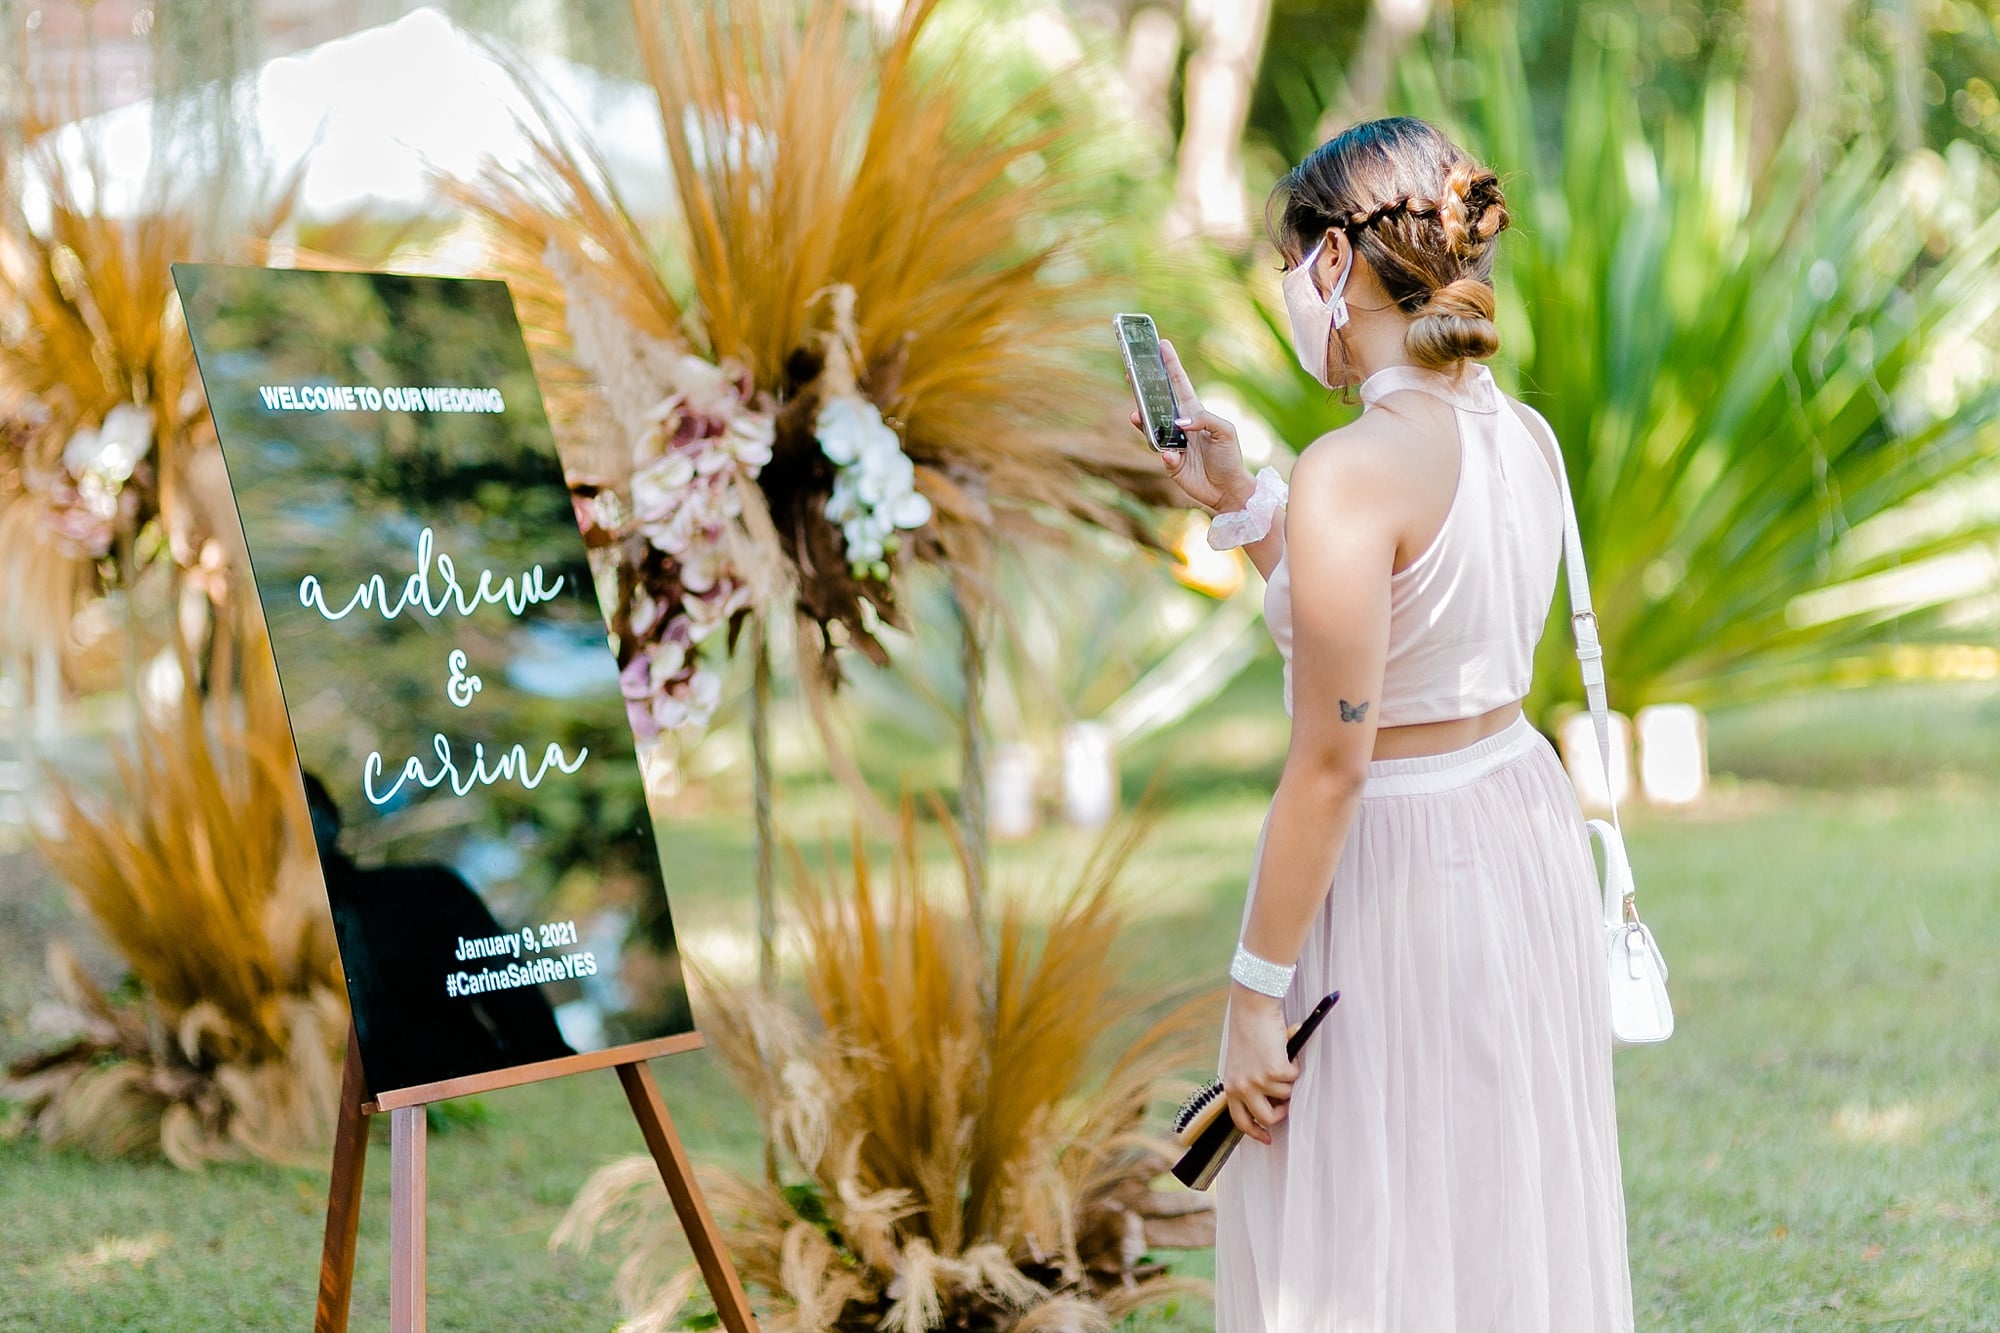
(1444, 1157)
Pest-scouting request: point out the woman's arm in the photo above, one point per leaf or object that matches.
(1269, 549)
(1210, 470)
(1342, 543)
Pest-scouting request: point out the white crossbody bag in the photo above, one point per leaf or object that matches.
(1640, 1010)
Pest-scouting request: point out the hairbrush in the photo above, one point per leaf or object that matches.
(1203, 1125)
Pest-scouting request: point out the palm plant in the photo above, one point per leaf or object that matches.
(963, 1124)
(1751, 375)
(1766, 382)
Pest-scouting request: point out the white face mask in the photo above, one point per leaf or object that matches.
(1314, 317)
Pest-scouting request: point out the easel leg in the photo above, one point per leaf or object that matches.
(343, 1203)
(406, 1219)
(724, 1288)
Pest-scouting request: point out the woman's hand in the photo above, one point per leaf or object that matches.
(1210, 470)
(1257, 1076)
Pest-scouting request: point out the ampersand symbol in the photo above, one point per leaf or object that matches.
(460, 687)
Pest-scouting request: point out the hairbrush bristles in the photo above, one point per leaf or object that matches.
(1206, 1132)
(1197, 1102)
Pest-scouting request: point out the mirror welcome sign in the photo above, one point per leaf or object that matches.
(479, 810)
(476, 801)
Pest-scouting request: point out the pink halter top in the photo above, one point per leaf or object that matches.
(1465, 616)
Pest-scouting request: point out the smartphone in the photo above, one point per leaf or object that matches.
(1139, 341)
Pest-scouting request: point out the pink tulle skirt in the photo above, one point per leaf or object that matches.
(1450, 1160)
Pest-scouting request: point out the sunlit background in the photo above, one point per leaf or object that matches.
(1751, 279)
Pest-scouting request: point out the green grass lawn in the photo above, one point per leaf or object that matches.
(1816, 1148)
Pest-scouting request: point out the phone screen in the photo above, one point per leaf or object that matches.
(1140, 342)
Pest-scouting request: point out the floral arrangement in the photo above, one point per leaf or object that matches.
(951, 1149)
(197, 862)
(867, 349)
(88, 501)
(669, 536)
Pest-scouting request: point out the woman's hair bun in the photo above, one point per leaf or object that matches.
(1473, 210)
(1421, 211)
(1456, 322)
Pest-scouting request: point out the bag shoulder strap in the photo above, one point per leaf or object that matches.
(1582, 619)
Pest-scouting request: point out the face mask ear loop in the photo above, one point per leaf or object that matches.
(1338, 300)
(1306, 260)
(1335, 337)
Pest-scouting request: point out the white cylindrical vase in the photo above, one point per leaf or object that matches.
(1013, 772)
(1089, 774)
(1578, 742)
(1673, 753)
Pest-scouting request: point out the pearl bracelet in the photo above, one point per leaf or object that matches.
(1261, 974)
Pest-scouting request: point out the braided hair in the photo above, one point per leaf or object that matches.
(1421, 211)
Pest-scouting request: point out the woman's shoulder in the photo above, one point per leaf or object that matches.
(1362, 451)
(1368, 459)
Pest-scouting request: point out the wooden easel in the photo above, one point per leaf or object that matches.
(406, 1179)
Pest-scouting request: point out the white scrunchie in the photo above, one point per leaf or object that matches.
(1252, 522)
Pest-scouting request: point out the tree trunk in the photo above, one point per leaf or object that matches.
(972, 829)
(1794, 54)
(764, 833)
(1909, 54)
(1769, 74)
(1391, 26)
(1816, 32)
(1208, 185)
(1152, 50)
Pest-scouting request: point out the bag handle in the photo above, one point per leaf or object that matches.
(1590, 658)
(1583, 620)
(1583, 627)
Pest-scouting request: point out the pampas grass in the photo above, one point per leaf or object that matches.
(200, 871)
(958, 1129)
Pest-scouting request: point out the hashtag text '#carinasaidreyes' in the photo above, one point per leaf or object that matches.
(562, 967)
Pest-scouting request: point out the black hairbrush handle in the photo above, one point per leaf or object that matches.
(1204, 1157)
(1311, 1021)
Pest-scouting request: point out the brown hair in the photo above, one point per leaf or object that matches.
(1423, 213)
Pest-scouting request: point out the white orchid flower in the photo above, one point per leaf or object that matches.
(659, 485)
(910, 510)
(645, 611)
(704, 690)
(671, 713)
(667, 659)
(841, 427)
(111, 451)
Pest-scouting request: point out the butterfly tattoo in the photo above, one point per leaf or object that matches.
(1353, 712)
